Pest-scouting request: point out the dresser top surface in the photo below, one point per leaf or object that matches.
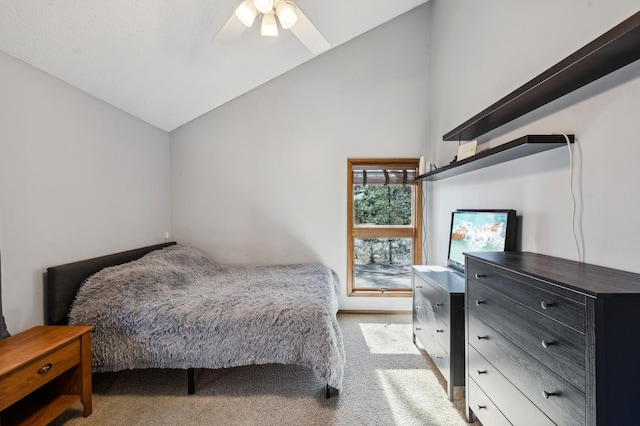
(450, 281)
(590, 279)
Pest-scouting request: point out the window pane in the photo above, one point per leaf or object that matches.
(382, 204)
(382, 262)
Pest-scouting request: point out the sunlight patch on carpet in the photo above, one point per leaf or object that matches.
(389, 338)
(417, 397)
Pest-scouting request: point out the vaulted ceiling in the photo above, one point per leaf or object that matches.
(155, 58)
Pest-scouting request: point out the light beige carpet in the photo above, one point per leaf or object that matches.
(388, 381)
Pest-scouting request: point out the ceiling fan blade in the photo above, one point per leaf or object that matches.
(309, 34)
(230, 31)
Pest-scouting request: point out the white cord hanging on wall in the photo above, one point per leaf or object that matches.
(573, 196)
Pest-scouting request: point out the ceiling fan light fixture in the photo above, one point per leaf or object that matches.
(274, 13)
(264, 6)
(286, 13)
(247, 12)
(269, 26)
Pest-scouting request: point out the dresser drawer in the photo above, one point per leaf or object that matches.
(484, 408)
(433, 326)
(443, 335)
(565, 404)
(422, 313)
(560, 348)
(503, 393)
(562, 305)
(34, 374)
(441, 359)
(421, 331)
(435, 300)
(431, 344)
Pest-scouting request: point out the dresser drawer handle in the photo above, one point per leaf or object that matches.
(546, 344)
(481, 407)
(418, 286)
(479, 302)
(548, 394)
(545, 305)
(482, 372)
(439, 305)
(45, 369)
(418, 307)
(483, 337)
(479, 275)
(418, 328)
(439, 331)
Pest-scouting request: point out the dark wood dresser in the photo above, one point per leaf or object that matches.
(551, 341)
(438, 320)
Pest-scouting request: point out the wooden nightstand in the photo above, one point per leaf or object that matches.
(43, 371)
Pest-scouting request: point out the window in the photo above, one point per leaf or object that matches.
(384, 226)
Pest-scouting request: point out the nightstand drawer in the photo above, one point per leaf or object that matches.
(564, 306)
(560, 348)
(34, 374)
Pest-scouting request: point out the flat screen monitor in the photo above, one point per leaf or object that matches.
(480, 230)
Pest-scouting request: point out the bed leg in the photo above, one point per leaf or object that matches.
(328, 391)
(191, 387)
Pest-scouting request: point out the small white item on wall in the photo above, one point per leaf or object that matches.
(466, 150)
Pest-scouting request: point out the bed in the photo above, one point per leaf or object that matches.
(169, 306)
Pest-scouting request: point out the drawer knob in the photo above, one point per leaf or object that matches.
(545, 305)
(418, 307)
(479, 302)
(438, 356)
(546, 344)
(548, 394)
(479, 275)
(439, 331)
(418, 328)
(483, 337)
(418, 286)
(482, 371)
(481, 407)
(439, 305)
(45, 369)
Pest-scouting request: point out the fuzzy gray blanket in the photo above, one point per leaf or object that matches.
(174, 308)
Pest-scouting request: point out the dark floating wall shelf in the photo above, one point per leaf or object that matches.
(614, 49)
(521, 147)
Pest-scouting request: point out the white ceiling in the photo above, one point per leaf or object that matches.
(154, 58)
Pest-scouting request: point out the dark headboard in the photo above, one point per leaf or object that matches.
(63, 281)
(3, 326)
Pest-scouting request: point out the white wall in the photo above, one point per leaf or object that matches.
(78, 178)
(262, 179)
(484, 50)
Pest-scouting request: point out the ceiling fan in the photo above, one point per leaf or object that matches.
(286, 12)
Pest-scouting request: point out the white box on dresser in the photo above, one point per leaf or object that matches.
(550, 341)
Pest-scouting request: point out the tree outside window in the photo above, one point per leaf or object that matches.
(384, 226)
